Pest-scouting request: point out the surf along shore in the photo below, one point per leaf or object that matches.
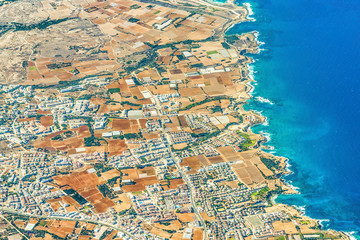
(296, 213)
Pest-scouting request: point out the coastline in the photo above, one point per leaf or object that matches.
(186, 115)
(289, 188)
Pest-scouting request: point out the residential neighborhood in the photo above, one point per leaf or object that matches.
(127, 121)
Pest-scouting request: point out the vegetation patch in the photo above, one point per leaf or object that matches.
(114, 90)
(260, 194)
(133, 20)
(231, 39)
(42, 25)
(211, 52)
(76, 196)
(270, 163)
(105, 191)
(135, 6)
(92, 141)
(225, 45)
(247, 143)
(202, 102)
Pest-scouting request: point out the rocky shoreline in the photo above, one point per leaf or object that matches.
(286, 188)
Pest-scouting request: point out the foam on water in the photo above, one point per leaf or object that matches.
(264, 100)
(324, 223)
(266, 135)
(266, 122)
(250, 68)
(351, 235)
(250, 12)
(309, 122)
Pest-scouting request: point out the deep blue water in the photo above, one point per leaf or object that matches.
(310, 70)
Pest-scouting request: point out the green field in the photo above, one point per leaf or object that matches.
(211, 52)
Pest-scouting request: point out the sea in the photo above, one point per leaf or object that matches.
(307, 84)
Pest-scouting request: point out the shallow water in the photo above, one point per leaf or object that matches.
(309, 69)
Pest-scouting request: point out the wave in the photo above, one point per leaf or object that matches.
(259, 112)
(266, 135)
(260, 50)
(296, 189)
(288, 168)
(299, 208)
(266, 122)
(308, 135)
(250, 12)
(251, 71)
(351, 235)
(324, 223)
(264, 100)
(260, 43)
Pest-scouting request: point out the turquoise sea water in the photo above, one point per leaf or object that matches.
(309, 68)
(218, 1)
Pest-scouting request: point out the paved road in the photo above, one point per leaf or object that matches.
(13, 226)
(68, 219)
(183, 174)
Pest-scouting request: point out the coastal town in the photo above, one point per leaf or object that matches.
(124, 119)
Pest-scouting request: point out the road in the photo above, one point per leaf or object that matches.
(13, 226)
(68, 219)
(187, 181)
(183, 174)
